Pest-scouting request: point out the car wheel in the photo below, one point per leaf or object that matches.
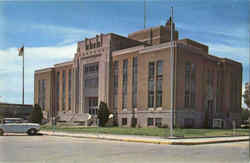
(1, 132)
(32, 131)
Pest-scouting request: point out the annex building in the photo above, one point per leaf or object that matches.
(132, 75)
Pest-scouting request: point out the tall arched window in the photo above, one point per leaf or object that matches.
(190, 85)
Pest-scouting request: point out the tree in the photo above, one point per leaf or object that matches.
(36, 115)
(246, 95)
(245, 114)
(103, 114)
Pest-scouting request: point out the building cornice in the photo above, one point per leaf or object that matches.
(90, 56)
(44, 70)
(157, 47)
(128, 50)
(64, 64)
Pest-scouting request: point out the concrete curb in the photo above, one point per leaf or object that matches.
(169, 142)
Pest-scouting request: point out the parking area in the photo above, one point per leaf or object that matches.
(45, 149)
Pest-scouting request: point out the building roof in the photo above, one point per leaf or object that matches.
(44, 70)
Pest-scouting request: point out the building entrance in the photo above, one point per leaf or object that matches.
(93, 105)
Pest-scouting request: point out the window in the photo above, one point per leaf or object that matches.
(159, 84)
(41, 93)
(124, 84)
(155, 84)
(150, 121)
(212, 78)
(57, 89)
(90, 76)
(91, 68)
(115, 75)
(187, 84)
(63, 91)
(134, 83)
(190, 85)
(91, 82)
(115, 84)
(151, 84)
(124, 121)
(193, 85)
(218, 79)
(69, 88)
(158, 122)
(231, 91)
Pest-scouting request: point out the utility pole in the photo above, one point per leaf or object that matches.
(172, 76)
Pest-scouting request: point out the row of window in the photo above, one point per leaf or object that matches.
(154, 83)
(150, 121)
(63, 97)
(125, 82)
(154, 122)
(93, 45)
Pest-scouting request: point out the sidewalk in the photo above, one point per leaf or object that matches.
(153, 140)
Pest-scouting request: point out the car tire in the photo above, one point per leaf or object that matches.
(1, 132)
(32, 131)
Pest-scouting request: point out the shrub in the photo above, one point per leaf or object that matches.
(36, 115)
(133, 122)
(103, 114)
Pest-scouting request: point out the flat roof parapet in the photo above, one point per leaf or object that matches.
(44, 70)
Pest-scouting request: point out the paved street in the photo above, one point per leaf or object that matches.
(45, 149)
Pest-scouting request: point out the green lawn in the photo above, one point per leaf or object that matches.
(161, 132)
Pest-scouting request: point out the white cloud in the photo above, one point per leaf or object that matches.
(240, 54)
(35, 58)
(69, 34)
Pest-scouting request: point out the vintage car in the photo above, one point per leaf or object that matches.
(17, 125)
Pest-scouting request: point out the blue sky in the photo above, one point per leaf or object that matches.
(50, 30)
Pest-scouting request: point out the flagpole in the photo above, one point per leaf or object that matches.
(144, 14)
(23, 80)
(172, 77)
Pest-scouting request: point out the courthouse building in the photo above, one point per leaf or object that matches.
(132, 75)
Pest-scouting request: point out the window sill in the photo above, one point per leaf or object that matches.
(151, 109)
(159, 109)
(135, 109)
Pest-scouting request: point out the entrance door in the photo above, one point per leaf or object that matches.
(93, 105)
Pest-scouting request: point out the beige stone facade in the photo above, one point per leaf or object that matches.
(132, 75)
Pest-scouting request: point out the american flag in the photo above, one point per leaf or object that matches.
(21, 51)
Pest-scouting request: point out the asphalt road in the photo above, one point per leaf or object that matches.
(50, 149)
